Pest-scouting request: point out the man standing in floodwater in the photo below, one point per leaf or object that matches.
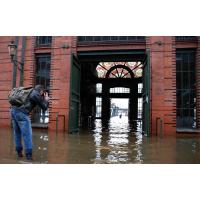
(22, 123)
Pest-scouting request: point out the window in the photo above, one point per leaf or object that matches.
(119, 90)
(119, 69)
(140, 102)
(111, 38)
(43, 40)
(98, 106)
(185, 38)
(42, 77)
(42, 71)
(140, 87)
(186, 89)
(98, 88)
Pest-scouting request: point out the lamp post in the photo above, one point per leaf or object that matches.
(12, 49)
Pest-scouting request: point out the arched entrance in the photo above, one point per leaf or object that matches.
(116, 76)
(103, 72)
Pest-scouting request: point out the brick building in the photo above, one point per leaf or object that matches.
(80, 72)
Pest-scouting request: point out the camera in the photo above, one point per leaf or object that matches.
(43, 94)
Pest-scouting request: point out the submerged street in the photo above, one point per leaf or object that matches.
(114, 144)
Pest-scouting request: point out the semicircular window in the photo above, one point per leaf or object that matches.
(119, 69)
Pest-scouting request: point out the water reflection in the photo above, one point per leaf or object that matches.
(7, 149)
(116, 138)
(188, 149)
(116, 142)
(138, 148)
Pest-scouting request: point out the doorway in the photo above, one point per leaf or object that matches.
(109, 90)
(119, 108)
(102, 72)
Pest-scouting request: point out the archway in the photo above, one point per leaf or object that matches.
(113, 69)
(106, 81)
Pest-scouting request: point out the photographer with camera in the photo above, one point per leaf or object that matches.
(22, 123)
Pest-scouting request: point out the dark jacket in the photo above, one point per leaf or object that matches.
(34, 99)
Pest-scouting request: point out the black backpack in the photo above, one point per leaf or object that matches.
(18, 96)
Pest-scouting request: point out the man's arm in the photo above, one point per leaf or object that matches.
(42, 102)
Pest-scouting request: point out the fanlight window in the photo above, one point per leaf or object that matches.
(119, 69)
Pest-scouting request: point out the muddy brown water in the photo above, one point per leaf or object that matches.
(116, 143)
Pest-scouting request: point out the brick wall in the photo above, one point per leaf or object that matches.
(60, 75)
(163, 83)
(163, 73)
(60, 80)
(29, 62)
(6, 70)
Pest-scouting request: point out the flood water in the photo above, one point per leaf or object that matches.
(114, 143)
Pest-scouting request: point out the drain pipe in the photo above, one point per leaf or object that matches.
(14, 65)
(161, 126)
(22, 61)
(63, 116)
(57, 122)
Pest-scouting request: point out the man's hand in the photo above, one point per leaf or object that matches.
(46, 96)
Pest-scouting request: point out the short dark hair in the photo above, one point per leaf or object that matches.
(39, 88)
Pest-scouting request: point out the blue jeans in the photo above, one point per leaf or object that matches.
(22, 129)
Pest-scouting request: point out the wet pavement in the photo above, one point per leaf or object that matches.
(115, 143)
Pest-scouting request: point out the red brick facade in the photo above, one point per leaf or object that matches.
(163, 73)
(6, 69)
(163, 84)
(60, 79)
